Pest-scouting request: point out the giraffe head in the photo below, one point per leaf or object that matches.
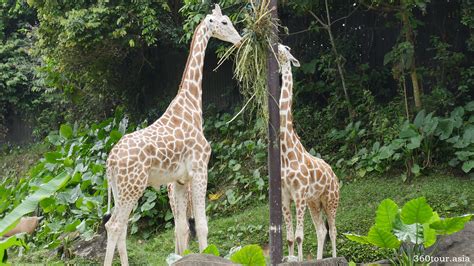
(221, 27)
(285, 58)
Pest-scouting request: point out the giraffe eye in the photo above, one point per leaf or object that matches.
(224, 22)
(211, 20)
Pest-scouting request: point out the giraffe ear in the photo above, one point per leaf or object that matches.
(217, 10)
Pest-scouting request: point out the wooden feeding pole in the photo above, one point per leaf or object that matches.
(274, 163)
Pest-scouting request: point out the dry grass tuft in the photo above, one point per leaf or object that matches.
(251, 57)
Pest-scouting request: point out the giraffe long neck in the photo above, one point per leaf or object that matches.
(286, 99)
(188, 101)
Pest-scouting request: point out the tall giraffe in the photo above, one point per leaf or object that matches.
(305, 179)
(171, 150)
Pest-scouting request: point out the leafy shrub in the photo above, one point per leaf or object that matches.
(237, 171)
(409, 230)
(419, 143)
(80, 153)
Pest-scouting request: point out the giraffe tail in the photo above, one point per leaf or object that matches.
(192, 227)
(107, 215)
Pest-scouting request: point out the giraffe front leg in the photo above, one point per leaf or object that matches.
(181, 224)
(286, 208)
(172, 202)
(199, 188)
(299, 234)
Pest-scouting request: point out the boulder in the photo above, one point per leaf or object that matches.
(459, 246)
(93, 249)
(202, 260)
(324, 262)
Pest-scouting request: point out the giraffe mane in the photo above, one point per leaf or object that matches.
(188, 60)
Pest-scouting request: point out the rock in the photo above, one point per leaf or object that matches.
(379, 262)
(203, 260)
(93, 249)
(458, 246)
(324, 262)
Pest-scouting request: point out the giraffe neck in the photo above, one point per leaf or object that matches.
(286, 99)
(189, 97)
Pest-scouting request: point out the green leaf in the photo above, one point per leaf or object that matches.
(53, 156)
(14, 240)
(187, 252)
(382, 238)
(408, 132)
(30, 203)
(211, 249)
(415, 142)
(419, 119)
(385, 215)
(429, 234)
(452, 225)
(445, 128)
(357, 238)
(115, 136)
(249, 255)
(469, 106)
(416, 211)
(408, 232)
(468, 135)
(385, 152)
(467, 166)
(72, 226)
(65, 131)
(416, 169)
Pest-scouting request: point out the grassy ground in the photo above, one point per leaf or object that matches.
(448, 195)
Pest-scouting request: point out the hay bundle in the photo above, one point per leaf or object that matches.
(251, 57)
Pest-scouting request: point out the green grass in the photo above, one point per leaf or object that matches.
(448, 196)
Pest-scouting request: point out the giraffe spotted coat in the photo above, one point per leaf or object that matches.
(171, 150)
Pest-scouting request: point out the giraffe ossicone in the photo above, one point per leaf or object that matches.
(171, 150)
(305, 180)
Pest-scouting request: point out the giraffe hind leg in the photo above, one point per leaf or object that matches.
(321, 231)
(330, 208)
(117, 225)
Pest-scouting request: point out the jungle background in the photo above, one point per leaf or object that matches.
(384, 94)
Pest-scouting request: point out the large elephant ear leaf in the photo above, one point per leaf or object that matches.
(452, 225)
(31, 202)
(15, 240)
(249, 255)
(386, 213)
(429, 234)
(357, 238)
(416, 211)
(382, 238)
(408, 232)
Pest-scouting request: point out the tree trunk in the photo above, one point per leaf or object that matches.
(274, 160)
(410, 37)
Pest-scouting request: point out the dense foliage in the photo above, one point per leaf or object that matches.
(384, 87)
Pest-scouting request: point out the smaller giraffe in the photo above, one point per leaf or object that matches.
(305, 179)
